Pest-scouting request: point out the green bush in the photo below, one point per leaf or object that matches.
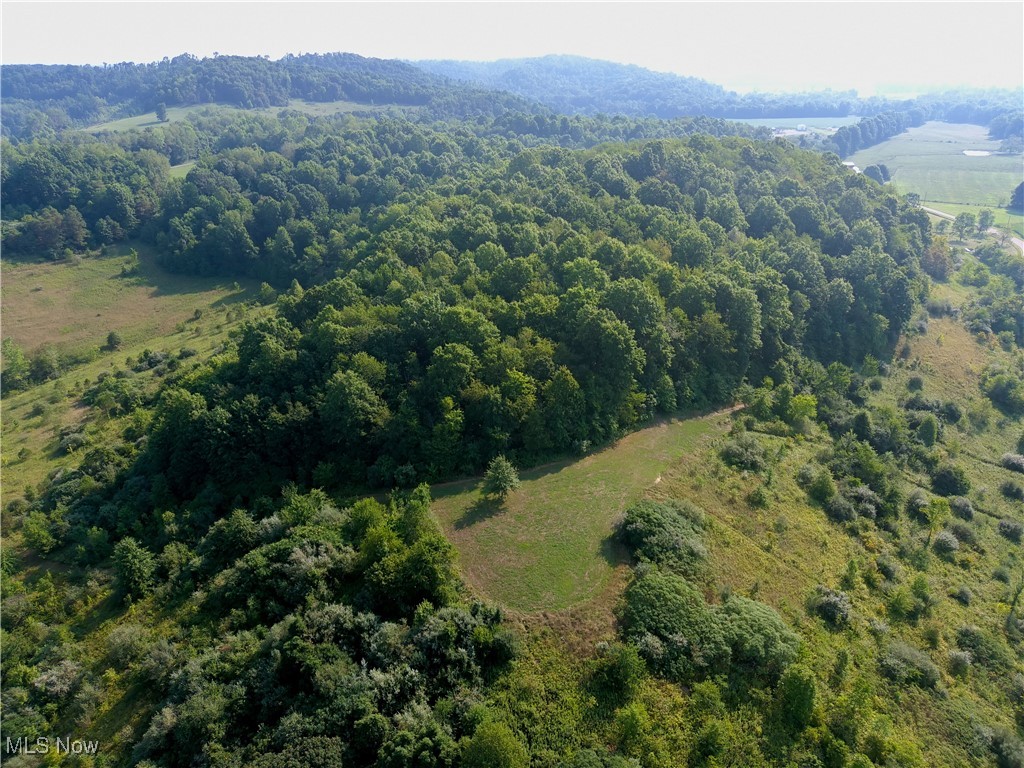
(905, 664)
(493, 745)
(745, 452)
(668, 533)
(760, 640)
(675, 630)
(950, 479)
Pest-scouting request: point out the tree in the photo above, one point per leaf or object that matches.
(963, 223)
(135, 567)
(502, 477)
(494, 746)
(161, 112)
(986, 219)
(1017, 198)
(114, 341)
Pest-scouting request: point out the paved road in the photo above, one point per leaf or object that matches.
(1017, 242)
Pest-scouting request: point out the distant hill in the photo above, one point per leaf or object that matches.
(40, 97)
(575, 84)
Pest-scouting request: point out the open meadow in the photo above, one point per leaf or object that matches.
(930, 161)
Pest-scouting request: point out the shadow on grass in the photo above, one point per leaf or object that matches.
(614, 552)
(483, 508)
(149, 274)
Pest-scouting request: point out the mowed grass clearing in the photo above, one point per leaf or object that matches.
(930, 161)
(549, 547)
(176, 114)
(74, 306)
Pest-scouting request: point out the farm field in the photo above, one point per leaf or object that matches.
(1004, 218)
(930, 161)
(549, 547)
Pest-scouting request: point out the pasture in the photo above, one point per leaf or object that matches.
(930, 161)
(549, 546)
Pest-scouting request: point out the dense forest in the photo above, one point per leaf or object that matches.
(241, 566)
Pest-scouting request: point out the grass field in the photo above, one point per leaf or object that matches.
(549, 547)
(75, 306)
(176, 114)
(930, 161)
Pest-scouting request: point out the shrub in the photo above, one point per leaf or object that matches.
(963, 532)
(915, 384)
(959, 663)
(1013, 462)
(917, 506)
(962, 507)
(674, 628)
(950, 479)
(745, 452)
(822, 487)
(945, 544)
(796, 696)
(831, 605)
(963, 595)
(985, 648)
(135, 567)
(865, 500)
(494, 746)
(668, 533)
(502, 478)
(1012, 490)
(888, 567)
(758, 637)
(1011, 529)
(905, 664)
(839, 509)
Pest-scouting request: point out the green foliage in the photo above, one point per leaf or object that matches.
(493, 745)
(762, 645)
(502, 477)
(666, 533)
(745, 452)
(135, 567)
(796, 697)
(662, 608)
(950, 479)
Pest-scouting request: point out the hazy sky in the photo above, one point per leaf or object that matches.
(741, 45)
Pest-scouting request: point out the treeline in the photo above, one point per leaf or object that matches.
(873, 130)
(40, 100)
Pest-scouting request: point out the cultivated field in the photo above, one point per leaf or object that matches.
(930, 161)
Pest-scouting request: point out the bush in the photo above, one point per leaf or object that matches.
(950, 479)
(986, 649)
(676, 631)
(1011, 529)
(959, 663)
(962, 507)
(840, 510)
(745, 452)
(905, 664)
(502, 478)
(494, 746)
(1013, 462)
(796, 695)
(963, 532)
(945, 544)
(917, 506)
(1012, 490)
(915, 384)
(831, 605)
(822, 487)
(667, 533)
(963, 595)
(758, 637)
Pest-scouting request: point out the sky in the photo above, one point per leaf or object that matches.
(872, 47)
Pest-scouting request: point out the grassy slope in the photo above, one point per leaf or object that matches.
(929, 160)
(74, 307)
(548, 548)
(176, 114)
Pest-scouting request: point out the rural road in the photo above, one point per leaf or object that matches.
(1017, 242)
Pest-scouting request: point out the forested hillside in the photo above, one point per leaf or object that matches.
(234, 559)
